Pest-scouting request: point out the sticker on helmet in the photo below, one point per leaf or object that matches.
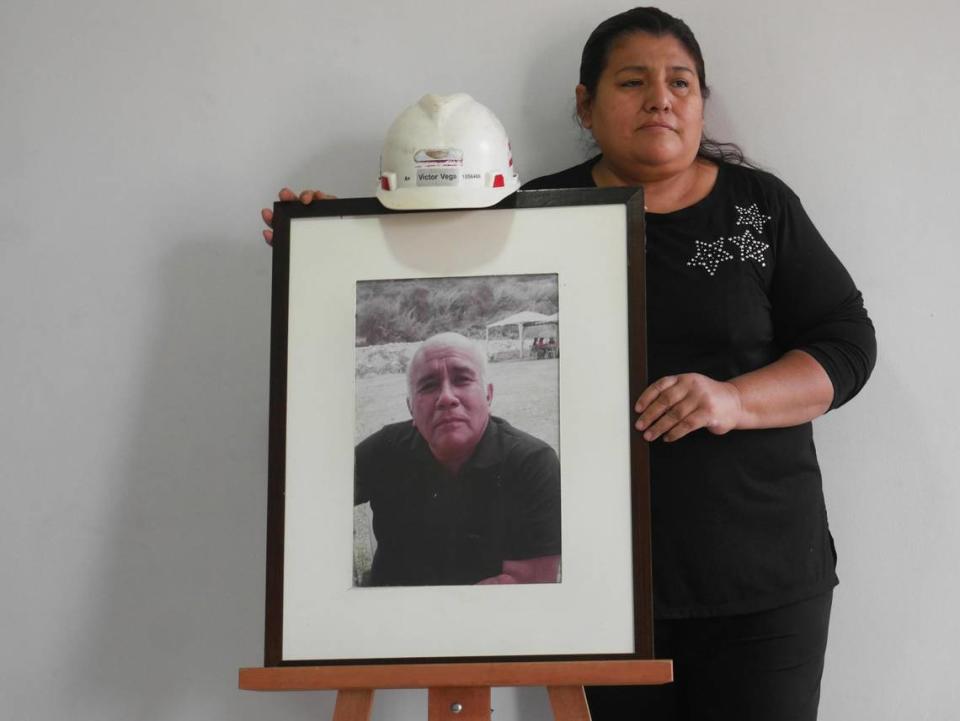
(438, 158)
(432, 176)
(438, 166)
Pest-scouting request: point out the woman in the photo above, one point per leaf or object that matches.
(754, 329)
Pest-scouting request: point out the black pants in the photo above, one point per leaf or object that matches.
(756, 667)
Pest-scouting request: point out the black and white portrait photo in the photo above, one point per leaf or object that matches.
(457, 469)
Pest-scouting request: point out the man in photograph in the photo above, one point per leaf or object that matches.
(458, 495)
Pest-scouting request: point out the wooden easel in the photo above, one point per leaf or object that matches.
(458, 691)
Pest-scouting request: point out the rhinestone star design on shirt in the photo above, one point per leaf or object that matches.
(709, 255)
(751, 248)
(751, 217)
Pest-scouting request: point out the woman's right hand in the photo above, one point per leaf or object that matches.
(306, 197)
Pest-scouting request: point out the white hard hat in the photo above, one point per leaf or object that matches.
(447, 151)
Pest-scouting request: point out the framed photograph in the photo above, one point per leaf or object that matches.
(453, 470)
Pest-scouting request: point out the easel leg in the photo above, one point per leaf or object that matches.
(569, 703)
(353, 705)
(459, 704)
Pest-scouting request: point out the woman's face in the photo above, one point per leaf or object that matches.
(647, 111)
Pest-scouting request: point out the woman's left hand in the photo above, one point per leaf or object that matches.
(677, 405)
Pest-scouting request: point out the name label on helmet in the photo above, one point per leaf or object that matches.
(437, 177)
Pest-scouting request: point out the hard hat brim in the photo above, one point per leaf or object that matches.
(442, 198)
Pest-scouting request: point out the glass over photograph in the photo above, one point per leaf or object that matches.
(457, 465)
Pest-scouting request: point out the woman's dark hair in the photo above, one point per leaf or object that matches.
(658, 23)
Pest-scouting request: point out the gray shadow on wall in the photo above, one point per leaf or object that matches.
(348, 167)
(181, 588)
(548, 130)
(532, 703)
(718, 124)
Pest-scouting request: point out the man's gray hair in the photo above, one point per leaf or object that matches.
(449, 340)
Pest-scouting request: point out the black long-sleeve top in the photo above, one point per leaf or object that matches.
(733, 282)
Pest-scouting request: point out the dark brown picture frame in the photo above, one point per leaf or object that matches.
(286, 217)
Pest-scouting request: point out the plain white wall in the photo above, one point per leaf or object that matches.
(138, 142)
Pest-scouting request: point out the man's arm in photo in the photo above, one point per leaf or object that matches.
(535, 536)
(531, 570)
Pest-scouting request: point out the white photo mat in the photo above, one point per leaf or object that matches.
(592, 610)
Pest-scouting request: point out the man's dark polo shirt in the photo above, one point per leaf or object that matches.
(436, 529)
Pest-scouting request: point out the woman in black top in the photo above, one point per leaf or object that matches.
(754, 329)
